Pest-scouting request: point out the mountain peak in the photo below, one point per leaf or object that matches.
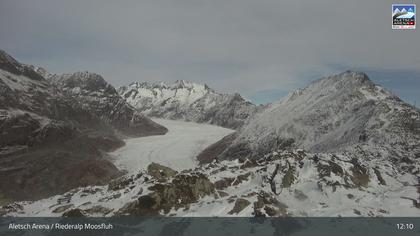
(356, 75)
(40, 70)
(86, 75)
(348, 76)
(6, 58)
(8, 63)
(190, 85)
(333, 114)
(84, 80)
(348, 82)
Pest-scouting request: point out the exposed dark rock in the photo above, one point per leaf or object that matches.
(240, 204)
(300, 195)
(120, 183)
(145, 206)
(270, 205)
(114, 196)
(272, 177)
(241, 178)
(41, 173)
(9, 64)
(160, 172)
(289, 177)
(13, 207)
(230, 181)
(249, 163)
(379, 176)
(357, 212)
(360, 176)
(210, 153)
(75, 213)
(98, 210)
(61, 209)
(222, 194)
(223, 183)
(182, 191)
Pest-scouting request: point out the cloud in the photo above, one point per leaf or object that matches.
(244, 46)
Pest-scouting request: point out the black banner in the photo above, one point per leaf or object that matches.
(203, 226)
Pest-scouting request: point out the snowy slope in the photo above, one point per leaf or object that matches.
(40, 125)
(340, 113)
(177, 149)
(188, 101)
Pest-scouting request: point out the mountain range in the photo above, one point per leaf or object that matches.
(188, 101)
(342, 146)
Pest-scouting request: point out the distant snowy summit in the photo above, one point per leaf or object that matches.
(184, 100)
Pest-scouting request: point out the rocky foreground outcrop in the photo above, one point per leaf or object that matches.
(284, 183)
(180, 192)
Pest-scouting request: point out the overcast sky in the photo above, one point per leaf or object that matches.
(260, 48)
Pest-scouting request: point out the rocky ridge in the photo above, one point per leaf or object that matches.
(345, 113)
(102, 99)
(184, 100)
(50, 141)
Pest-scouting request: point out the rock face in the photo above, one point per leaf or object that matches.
(9, 64)
(182, 191)
(103, 100)
(189, 101)
(49, 143)
(344, 113)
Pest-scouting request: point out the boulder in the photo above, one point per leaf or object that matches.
(75, 213)
(182, 191)
(240, 204)
(160, 172)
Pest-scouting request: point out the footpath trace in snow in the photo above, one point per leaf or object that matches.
(177, 149)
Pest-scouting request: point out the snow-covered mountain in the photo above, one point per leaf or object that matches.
(188, 101)
(47, 140)
(102, 99)
(338, 114)
(52, 141)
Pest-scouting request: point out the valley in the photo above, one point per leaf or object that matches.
(176, 149)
